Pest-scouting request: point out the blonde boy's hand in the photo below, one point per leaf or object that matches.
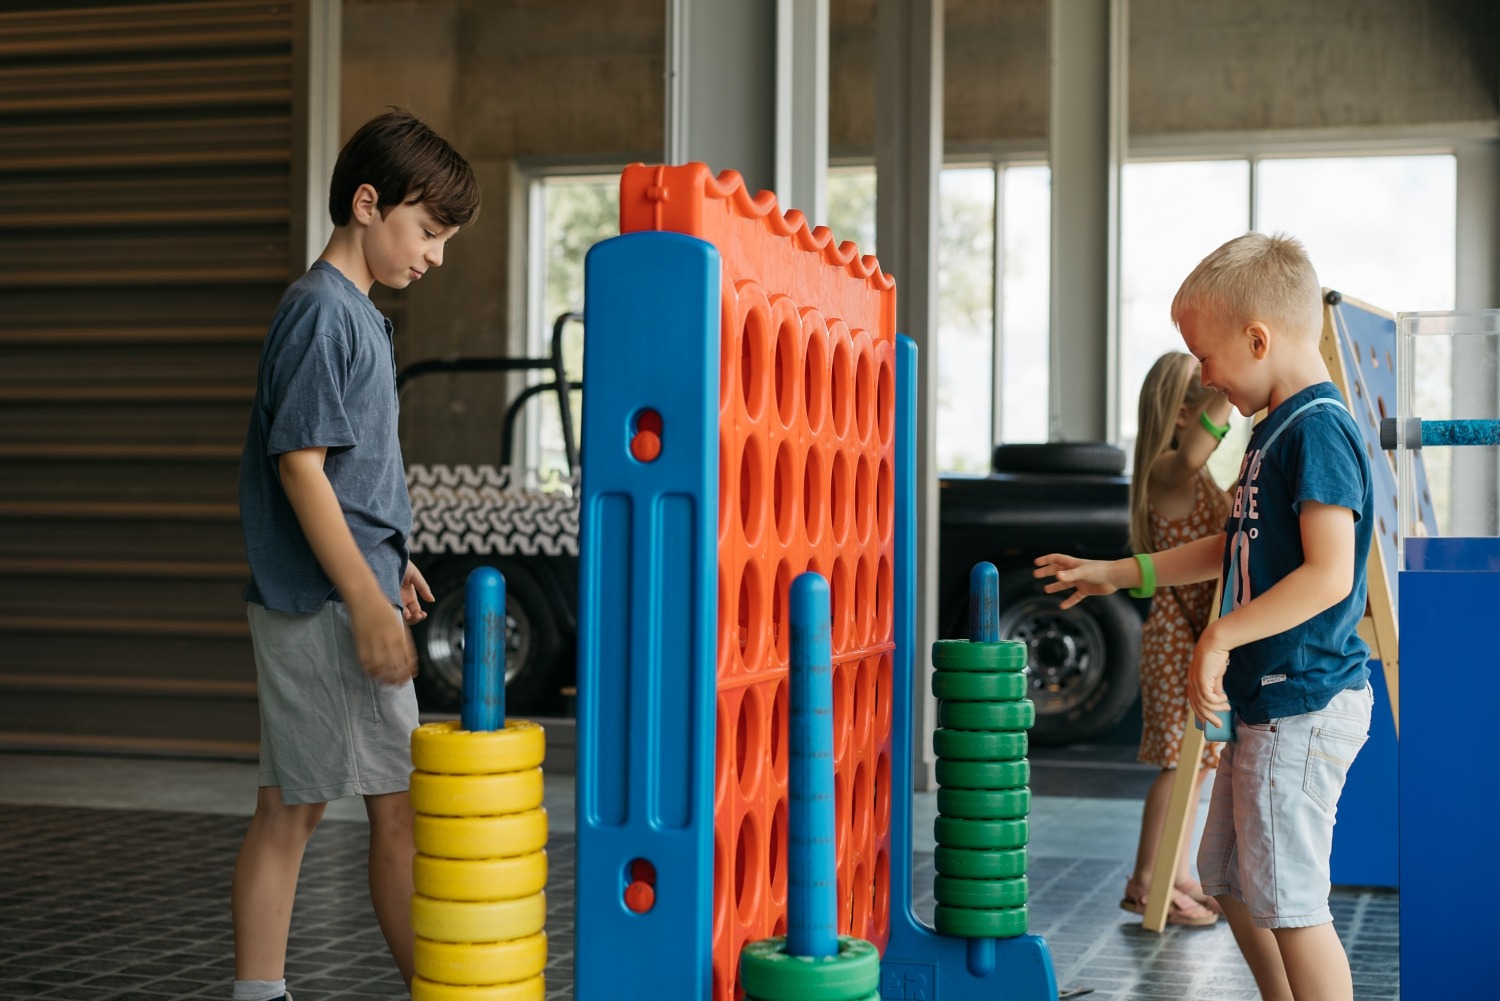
(1086, 577)
(1205, 687)
(382, 641)
(414, 587)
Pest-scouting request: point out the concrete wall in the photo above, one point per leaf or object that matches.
(535, 80)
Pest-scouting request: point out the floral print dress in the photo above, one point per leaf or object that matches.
(1178, 615)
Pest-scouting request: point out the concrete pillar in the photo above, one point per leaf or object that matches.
(1476, 376)
(908, 165)
(1089, 40)
(317, 55)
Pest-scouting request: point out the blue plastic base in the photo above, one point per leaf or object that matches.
(1448, 818)
(1364, 841)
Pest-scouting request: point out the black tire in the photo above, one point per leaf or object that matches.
(533, 642)
(1096, 457)
(1083, 663)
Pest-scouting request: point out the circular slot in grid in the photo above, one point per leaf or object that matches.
(885, 396)
(863, 805)
(841, 604)
(883, 696)
(749, 869)
(814, 495)
(864, 596)
(882, 795)
(749, 740)
(751, 604)
(882, 894)
(839, 496)
(726, 488)
(883, 610)
(863, 719)
(754, 351)
(840, 814)
(815, 371)
(859, 904)
(783, 497)
(844, 709)
(781, 611)
(729, 330)
(777, 864)
(885, 501)
(864, 500)
(751, 490)
(864, 386)
(780, 706)
(787, 364)
(841, 379)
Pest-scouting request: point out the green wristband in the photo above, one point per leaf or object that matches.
(1217, 430)
(1148, 577)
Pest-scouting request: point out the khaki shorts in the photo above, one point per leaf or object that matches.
(327, 729)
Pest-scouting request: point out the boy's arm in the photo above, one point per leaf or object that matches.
(1199, 560)
(383, 643)
(1322, 581)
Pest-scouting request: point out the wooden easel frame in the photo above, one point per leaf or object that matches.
(1378, 628)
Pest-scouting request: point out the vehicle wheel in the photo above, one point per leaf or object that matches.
(1098, 457)
(1083, 662)
(532, 639)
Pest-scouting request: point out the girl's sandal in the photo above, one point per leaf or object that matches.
(1195, 890)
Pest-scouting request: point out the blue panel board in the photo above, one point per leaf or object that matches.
(1448, 815)
(646, 635)
(1453, 553)
(1364, 840)
(918, 962)
(1367, 341)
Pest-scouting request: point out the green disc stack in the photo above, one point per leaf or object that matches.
(983, 797)
(767, 973)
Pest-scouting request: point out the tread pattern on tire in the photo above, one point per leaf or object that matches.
(477, 509)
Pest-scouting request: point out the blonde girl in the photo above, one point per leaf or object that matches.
(1173, 501)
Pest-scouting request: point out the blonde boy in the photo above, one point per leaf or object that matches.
(1284, 657)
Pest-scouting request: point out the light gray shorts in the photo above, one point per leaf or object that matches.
(1269, 832)
(327, 729)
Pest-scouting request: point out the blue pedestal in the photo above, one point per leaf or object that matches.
(1448, 817)
(1364, 840)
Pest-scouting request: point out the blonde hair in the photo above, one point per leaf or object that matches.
(1172, 382)
(1256, 277)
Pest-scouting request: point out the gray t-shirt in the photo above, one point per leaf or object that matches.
(327, 379)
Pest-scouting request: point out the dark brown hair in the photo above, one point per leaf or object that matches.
(400, 156)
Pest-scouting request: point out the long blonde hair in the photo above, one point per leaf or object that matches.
(1172, 382)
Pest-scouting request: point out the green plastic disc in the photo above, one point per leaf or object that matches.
(984, 894)
(768, 973)
(872, 996)
(988, 835)
(983, 774)
(980, 686)
(967, 922)
(984, 804)
(1019, 715)
(966, 863)
(979, 745)
(964, 655)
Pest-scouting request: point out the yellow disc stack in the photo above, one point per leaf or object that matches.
(481, 865)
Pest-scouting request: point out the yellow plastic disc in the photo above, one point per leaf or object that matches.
(448, 750)
(534, 989)
(480, 879)
(476, 795)
(480, 963)
(481, 837)
(478, 920)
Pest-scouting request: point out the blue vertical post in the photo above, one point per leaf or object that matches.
(984, 603)
(484, 651)
(812, 914)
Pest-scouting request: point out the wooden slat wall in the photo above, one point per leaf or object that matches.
(145, 160)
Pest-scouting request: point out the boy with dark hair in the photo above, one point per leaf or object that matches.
(326, 517)
(1284, 657)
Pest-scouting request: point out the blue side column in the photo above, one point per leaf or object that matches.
(918, 962)
(646, 638)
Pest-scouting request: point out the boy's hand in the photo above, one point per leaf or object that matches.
(1205, 686)
(1086, 577)
(413, 587)
(382, 641)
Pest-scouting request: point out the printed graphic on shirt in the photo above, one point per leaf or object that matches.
(1246, 512)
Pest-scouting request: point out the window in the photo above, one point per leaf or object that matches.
(569, 214)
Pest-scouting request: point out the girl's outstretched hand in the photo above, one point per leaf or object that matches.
(1085, 577)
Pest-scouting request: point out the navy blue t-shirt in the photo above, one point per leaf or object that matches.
(327, 379)
(1319, 457)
